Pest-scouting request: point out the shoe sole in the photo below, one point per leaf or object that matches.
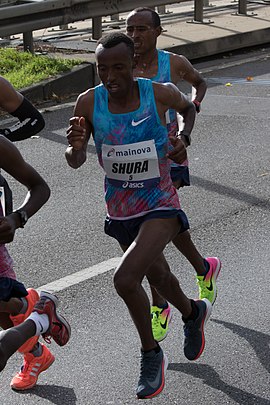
(45, 367)
(61, 319)
(165, 366)
(206, 317)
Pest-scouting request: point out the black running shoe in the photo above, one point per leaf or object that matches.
(194, 330)
(152, 375)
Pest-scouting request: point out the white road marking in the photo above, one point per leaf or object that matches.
(82, 275)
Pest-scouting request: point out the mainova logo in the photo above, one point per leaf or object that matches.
(129, 151)
(111, 152)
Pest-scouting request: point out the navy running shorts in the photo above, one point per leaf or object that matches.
(180, 174)
(10, 288)
(126, 231)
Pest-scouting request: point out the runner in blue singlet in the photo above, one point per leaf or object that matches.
(143, 207)
(143, 25)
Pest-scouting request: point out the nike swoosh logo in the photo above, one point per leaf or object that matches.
(135, 123)
(154, 384)
(41, 327)
(164, 325)
(210, 288)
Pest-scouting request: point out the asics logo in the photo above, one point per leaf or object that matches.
(135, 123)
(210, 288)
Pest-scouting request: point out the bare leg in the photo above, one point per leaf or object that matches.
(184, 244)
(12, 307)
(12, 339)
(157, 299)
(5, 321)
(136, 263)
(160, 276)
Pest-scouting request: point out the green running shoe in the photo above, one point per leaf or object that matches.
(207, 284)
(161, 318)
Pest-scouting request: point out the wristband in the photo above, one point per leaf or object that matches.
(197, 105)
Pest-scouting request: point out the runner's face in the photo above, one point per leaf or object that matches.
(115, 68)
(139, 27)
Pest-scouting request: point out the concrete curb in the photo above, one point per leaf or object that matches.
(84, 76)
(215, 46)
(65, 85)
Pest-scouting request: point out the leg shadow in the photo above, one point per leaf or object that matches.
(212, 379)
(258, 341)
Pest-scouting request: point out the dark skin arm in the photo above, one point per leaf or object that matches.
(80, 130)
(182, 69)
(38, 191)
(10, 99)
(29, 120)
(168, 96)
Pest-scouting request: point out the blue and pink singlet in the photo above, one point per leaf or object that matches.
(132, 149)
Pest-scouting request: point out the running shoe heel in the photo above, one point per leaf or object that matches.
(52, 297)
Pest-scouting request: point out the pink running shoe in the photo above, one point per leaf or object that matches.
(59, 328)
(207, 284)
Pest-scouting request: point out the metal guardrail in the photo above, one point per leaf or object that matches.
(38, 14)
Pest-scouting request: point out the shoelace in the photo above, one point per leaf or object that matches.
(47, 338)
(202, 286)
(25, 367)
(40, 304)
(149, 368)
(189, 328)
(155, 320)
(47, 335)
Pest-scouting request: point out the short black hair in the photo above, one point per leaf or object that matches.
(155, 17)
(116, 38)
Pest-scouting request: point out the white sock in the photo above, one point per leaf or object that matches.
(41, 322)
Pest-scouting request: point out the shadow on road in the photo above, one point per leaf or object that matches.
(231, 192)
(212, 379)
(258, 341)
(56, 394)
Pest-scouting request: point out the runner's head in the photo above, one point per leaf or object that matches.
(115, 62)
(144, 27)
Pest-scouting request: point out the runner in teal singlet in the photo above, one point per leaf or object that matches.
(142, 204)
(143, 25)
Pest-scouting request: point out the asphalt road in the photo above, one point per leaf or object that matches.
(228, 207)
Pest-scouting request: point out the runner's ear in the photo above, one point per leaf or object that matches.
(159, 30)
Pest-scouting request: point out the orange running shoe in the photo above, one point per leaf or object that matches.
(31, 298)
(32, 367)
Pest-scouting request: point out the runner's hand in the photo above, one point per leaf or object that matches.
(179, 152)
(76, 132)
(7, 229)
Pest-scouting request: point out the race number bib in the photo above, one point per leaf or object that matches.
(133, 165)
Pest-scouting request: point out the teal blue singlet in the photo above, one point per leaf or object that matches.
(132, 149)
